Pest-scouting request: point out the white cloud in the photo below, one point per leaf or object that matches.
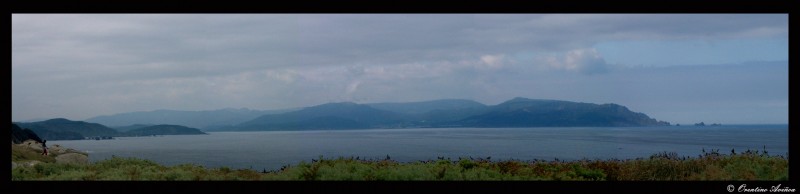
(352, 87)
(493, 61)
(586, 61)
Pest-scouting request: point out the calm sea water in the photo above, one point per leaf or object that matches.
(271, 150)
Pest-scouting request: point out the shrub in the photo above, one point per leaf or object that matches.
(661, 166)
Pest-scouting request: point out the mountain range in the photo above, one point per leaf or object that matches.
(517, 112)
(162, 130)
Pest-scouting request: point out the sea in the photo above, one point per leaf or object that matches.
(271, 150)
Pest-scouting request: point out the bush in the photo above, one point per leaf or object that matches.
(466, 164)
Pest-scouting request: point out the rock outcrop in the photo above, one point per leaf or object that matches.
(58, 153)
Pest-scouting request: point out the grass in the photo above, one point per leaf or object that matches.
(20, 153)
(747, 165)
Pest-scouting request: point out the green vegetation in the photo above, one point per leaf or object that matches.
(748, 165)
(21, 153)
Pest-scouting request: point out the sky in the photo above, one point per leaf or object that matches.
(680, 68)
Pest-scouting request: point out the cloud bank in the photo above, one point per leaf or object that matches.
(83, 65)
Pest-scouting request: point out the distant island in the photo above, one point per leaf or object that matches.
(703, 124)
(64, 129)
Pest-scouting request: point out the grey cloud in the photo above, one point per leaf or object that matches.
(123, 62)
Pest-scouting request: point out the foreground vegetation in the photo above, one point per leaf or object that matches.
(21, 153)
(748, 165)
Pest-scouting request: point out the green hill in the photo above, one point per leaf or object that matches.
(130, 127)
(63, 129)
(19, 135)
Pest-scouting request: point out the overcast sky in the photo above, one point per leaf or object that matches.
(676, 67)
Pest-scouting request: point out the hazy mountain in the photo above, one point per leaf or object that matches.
(195, 119)
(439, 117)
(33, 120)
(163, 130)
(428, 106)
(518, 112)
(523, 112)
(63, 129)
(130, 127)
(344, 115)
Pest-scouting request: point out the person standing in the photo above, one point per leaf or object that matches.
(44, 147)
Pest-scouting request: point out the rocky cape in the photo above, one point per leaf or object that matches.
(27, 149)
